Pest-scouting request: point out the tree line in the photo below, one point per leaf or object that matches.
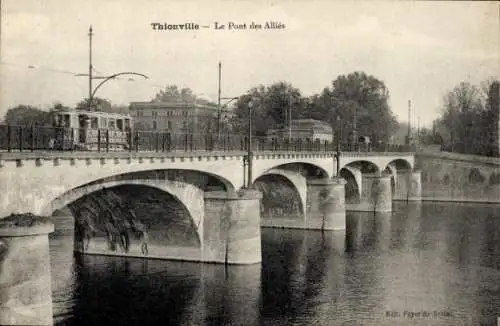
(354, 104)
(360, 101)
(469, 120)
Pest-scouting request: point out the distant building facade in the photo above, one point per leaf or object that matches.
(305, 129)
(174, 117)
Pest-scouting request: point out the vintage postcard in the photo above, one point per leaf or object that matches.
(249, 162)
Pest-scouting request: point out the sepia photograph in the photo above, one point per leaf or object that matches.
(274, 163)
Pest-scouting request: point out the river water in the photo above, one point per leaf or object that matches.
(424, 264)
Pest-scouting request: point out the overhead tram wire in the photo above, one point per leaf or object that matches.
(79, 74)
(39, 68)
(60, 71)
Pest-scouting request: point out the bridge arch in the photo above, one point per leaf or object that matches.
(295, 180)
(188, 196)
(307, 170)
(353, 178)
(282, 190)
(353, 172)
(399, 164)
(393, 167)
(202, 180)
(364, 166)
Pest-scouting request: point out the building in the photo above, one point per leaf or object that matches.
(174, 116)
(305, 129)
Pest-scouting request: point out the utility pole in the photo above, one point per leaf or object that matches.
(355, 128)
(337, 156)
(290, 119)
(249, 152)
(418, 129)
(218, 103)
(90, 68)
(409, 122)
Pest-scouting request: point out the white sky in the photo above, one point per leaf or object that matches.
(419, 49)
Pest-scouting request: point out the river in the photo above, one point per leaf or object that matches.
(424, 264)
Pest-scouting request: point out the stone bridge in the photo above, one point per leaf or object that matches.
(294, 189)
(209, 214)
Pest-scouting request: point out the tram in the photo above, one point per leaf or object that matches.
(81, 130)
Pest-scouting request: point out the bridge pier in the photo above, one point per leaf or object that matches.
(233, 234)
(408, 186)
(326, 204)
(25, 273)
(376, 194)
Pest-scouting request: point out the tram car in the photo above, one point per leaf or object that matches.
(81, 130)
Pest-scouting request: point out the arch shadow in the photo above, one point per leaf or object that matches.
(307, 170)
(281, 196)
(352, 187)
(188, 197)
(364, 166)
(203, 180)
(398, 165)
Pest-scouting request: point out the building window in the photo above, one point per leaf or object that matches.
(154, 125)
(184, 125)
(155, 114)
(94, 123)
(139, 113)
(184, 113)
(169, 124)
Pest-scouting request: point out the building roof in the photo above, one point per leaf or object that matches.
(97, 113)
(170, 105)
(305, 125)
(317, 125)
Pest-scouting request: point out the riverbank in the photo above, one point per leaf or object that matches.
(453, 177)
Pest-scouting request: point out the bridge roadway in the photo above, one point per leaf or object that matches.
(222, 219)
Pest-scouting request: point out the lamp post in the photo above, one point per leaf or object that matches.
(223, 109)
(90, 66)
(337, 155)
(249, 153)
(355, 128)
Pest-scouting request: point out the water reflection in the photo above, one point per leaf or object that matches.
(309, 268)
(405, 231)
(438, 257)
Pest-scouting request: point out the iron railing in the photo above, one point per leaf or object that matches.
(42, 138)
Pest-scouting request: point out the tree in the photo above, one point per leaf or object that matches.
(270, 107)
(359, 98)
(59, 107)
(469, 118)
(122, 109)
(491, 119)
(363, 99)
(98, 104)
(25, 115)
(206, 124)
(465, 120)
(319, 106)
(173, 94)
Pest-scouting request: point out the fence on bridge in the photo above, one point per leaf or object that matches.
(36, 138)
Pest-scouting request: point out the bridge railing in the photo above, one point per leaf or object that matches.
(42, 138)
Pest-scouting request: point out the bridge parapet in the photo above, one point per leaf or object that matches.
(371, 154)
